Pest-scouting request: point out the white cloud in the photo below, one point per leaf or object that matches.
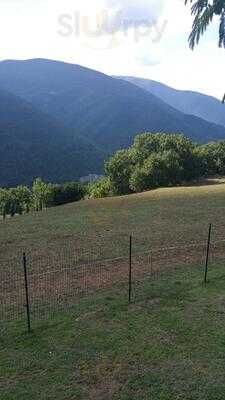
(133, 13)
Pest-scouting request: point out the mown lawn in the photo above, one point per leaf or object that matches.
(163, 217)
(168, 344)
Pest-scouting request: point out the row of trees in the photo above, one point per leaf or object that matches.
(154, 160)
(22, 199)
(157, 160)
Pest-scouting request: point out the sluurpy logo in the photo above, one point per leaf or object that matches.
(107, 30)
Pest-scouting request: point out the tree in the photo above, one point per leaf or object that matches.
(66, 193)
(159, 169)
(100, 189)
(73, 191)
(15, 201)
(41, 194)
(8, 203)
(204, 12)
(23, 197)
(154, 160)
(119, 169)
(148, 176)
(5, 202)
(212, 157)
(173, 171)
(147, 144)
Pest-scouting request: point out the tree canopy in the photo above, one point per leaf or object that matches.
(156, 160)
(204, 11)
(22, 199)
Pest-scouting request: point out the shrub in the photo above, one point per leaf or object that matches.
(100, 189)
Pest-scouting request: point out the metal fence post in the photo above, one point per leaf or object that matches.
(207, 253)
(130, 270)
(26, 292)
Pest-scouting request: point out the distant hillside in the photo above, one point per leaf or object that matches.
(107, 111)
(33, 145)
(200, 105)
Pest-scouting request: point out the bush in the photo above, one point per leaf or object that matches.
(99, 189)
(119, 170)
(66, 193)
(156, 160)
(21, 199)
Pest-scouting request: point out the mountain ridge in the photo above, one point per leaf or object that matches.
(35, 145)
(187, 101)
(73, 118)
(107, 111)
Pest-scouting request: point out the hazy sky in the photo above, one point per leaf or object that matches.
(146, 38)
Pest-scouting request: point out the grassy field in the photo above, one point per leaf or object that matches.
(163, 217)
(167, 345)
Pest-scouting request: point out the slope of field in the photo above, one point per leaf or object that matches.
(162, 217)
(168, 344)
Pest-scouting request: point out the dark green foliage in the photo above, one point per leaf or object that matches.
(15, 201)
(204, 12)
(66, 193)
(5, 202)
(149, 175)
(21, 199)
(159, 169)
(119, 169)
(212, 158)
(41, 194)
(99, 189)
(157, 160)
(177, 145)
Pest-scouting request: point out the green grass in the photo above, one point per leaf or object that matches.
(163, 216)
(167, 345)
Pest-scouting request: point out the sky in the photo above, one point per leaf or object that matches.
(142, 38)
